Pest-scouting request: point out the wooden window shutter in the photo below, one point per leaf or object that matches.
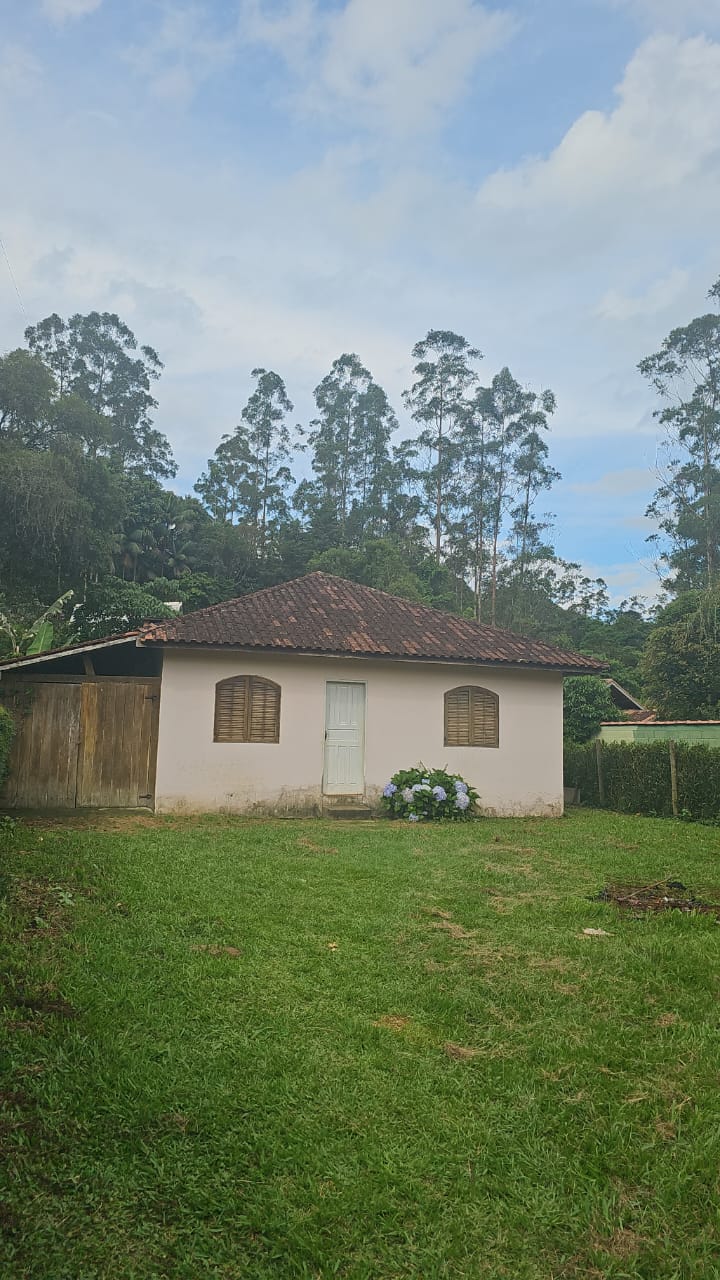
(472, 717)
(247, 709)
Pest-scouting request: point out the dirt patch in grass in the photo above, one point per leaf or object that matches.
(316, 848)
(39, 907)
(505, 902)
(667, 1020)
(667, 1130)
(664, 895)
(510, 868)
(456, 931)
(443, 920)
(622, 1243)
(460, 1052)
(551, 964)
(393, 1022)
(497, 846)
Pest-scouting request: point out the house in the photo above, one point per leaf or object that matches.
(294, 699)
(633, 710)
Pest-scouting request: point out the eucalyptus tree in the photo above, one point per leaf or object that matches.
(221, 485)
(96, 358)
(248, 479)
(350, 442)
(374, 480)
(500, 454)
(269, 445)
(532, 475)
(437, 400)
(685, 374)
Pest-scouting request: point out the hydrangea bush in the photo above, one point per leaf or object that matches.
(420, 793)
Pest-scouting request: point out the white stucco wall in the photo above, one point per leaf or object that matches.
(404, 725)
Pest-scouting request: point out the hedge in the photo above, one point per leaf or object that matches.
(637, 777)
(7, 733)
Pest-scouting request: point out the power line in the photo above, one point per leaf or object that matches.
(12, 277)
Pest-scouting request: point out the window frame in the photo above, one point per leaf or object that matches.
(252, 683)
(471, 690)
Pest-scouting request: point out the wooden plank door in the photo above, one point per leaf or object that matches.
(44, 755)
(344, 739)
(118, 744)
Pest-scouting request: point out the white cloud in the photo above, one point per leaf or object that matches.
(64, 10)
(615, 484)
(395, 67)
(389, 67)
(182, 53)
(636, 577)
(662, 295)
(654, 158)
(290, 31)
(402, 65)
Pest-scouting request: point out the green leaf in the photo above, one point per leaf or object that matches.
(42, 639)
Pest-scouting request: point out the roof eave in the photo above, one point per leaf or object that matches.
(526, 664)
(68, 651)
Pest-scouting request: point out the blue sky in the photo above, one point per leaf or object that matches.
(257, 182)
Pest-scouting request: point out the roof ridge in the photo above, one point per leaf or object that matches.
(482, 628)
(319, 612)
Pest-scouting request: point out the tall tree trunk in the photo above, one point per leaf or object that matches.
(263, 517)
(439, 485)
(497, 521)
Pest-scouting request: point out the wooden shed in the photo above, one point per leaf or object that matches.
(86, 722)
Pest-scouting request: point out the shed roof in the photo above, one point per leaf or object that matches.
(78, 646)
(320, 613)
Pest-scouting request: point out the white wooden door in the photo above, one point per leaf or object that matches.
(344, 739)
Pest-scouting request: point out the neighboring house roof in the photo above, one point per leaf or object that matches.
(659, 723)
(320, 613)
(623, 698)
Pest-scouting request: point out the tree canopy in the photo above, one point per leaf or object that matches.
(447, 508)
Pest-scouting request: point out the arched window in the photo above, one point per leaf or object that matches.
(472, 717)
(247, 709)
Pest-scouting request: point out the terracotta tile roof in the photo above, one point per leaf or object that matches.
(320, 613)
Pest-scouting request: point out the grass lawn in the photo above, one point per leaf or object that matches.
(312, 1049)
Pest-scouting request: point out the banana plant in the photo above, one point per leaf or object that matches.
(38, 637)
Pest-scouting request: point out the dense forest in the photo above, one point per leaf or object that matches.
(94, 539)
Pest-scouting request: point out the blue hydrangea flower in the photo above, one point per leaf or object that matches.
(461, 787)
(413, 817)
(462, 800)
(408, 795)
(389, 790)
(426, 781)
(439, 793)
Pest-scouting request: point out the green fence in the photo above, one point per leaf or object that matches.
(664, 779)
(705, 731)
